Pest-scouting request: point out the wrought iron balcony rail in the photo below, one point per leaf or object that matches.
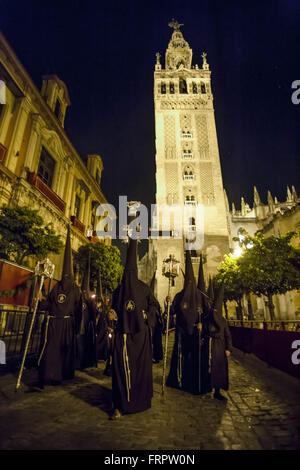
(43, 188)
(77, 224)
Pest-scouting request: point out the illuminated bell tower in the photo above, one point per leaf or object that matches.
(188, 170)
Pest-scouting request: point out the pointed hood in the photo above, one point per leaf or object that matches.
(218, 304)
(152, 283)
(201, 281)
(85, 285)
(190, 306)
(189, 278)
(67, 277)
(131, 261)
(130, 295)
(210, 290)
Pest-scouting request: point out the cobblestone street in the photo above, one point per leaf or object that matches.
(262, 412)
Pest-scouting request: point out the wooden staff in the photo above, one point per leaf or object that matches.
(43, 269)
(166, 341)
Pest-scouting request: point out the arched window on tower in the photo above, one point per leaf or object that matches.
(172, 89)
(192, 224)
(203, 88)
(195, 89)
(182, 86)
(163, 88)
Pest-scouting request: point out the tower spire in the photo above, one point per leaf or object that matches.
(179, 54)
(294, 193)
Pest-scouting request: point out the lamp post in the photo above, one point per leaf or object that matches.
(170, 269)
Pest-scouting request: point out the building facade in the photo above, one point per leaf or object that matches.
(272, 218)
(39, 167)
(188, 171)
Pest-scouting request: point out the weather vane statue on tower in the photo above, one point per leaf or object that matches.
(174, 24)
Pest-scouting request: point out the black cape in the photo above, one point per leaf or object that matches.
(57, 353)
(132, 385)
(186, 361)
(220, 341)
(86, 336)
(157, 332)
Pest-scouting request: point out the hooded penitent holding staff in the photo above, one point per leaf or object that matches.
(86, 335)
(185, 370)
(205, 320)
(157, 328)
(56, 360)
(220, 346)
(132, 387)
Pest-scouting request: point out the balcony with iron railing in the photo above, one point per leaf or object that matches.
(44, 189)
(77, 224)
(92, 235)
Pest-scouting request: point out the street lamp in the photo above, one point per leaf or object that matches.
(170, 269)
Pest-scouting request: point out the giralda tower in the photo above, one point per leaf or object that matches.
(188, 171)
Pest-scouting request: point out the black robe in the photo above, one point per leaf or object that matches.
(205, 352)
(86, 336)
(186, 360)
(57, 352)
(132, 386)
(104, 333)
(220, 341)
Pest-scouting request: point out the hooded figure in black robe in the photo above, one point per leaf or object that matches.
(220, 346)
(132, 387)
(101, 323)
(86, 336)
(205, 320)
(158, 328)
(56, 359)
(185, 370)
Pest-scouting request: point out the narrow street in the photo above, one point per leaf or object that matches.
(262, 412)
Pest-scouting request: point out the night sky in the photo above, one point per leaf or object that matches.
(105, 53)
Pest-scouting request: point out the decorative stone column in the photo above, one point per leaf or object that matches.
(18, 132)
(36, 123)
